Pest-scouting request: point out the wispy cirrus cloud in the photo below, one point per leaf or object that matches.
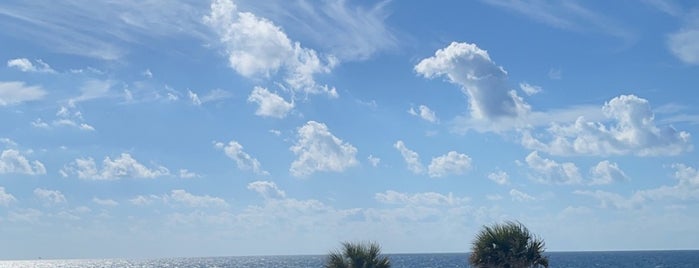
(350, 30)
(97, 29)
(567, 15)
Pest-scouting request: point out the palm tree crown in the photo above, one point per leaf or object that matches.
(507, 245)
(358, 255)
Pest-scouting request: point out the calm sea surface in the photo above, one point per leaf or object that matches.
(557, 259)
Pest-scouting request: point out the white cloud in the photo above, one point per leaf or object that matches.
(566, 15)
(92, 89)
(105, 202)
(67, 116)
(613, 200)
(28, 215)
(549, 171)
(124, 166)
(606, 172)
(686, 188)
(256, 46)
(188, 199)
(484, 82)
(529, 89)
(147, 73)
(412, 159)
(39, 123)
(499, 177)
(186, 174)
(319, 150)
(452, 163)
(194, 98)
(520, 196)
(216, 94)
(374, 161)
(26, 65)
(50, 196)
(555, 74)
(351, 30)
(425, 113)
(267, 189)
(6, 198)
(242, 159)
(15, 92)
(684, 43)
(142, 200)
(104, 30)
(12, 161)
(633, 131)
(270, 104)
(8, 142)
(419, 199)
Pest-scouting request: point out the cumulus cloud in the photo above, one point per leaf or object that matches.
(242, 159)
(606, 172)
(633, 131)
(105, 202)
(484, 82)
(267, 189)
(529, 89)
(25, 65)
(123, 166)
(452, 163)
(6, 198)
(15, 92)
(269, 103)
(49, 196)
(499, 177)
(549, 171)
(520, 196)
(419, 199)
(425, 113)
(13, 161)
(319, 150)
(203, 201)
(257, 47)
(412, 159)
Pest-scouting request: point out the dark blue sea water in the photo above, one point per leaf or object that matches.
(635, 259)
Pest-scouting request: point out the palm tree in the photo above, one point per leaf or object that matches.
(358, 255)
(507, 245)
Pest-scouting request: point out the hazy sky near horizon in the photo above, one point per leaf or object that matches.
(213, 128)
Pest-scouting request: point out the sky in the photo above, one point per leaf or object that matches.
(241, 127)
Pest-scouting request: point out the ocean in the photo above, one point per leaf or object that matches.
(635, 259)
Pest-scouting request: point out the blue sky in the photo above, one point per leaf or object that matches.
(197, 128)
